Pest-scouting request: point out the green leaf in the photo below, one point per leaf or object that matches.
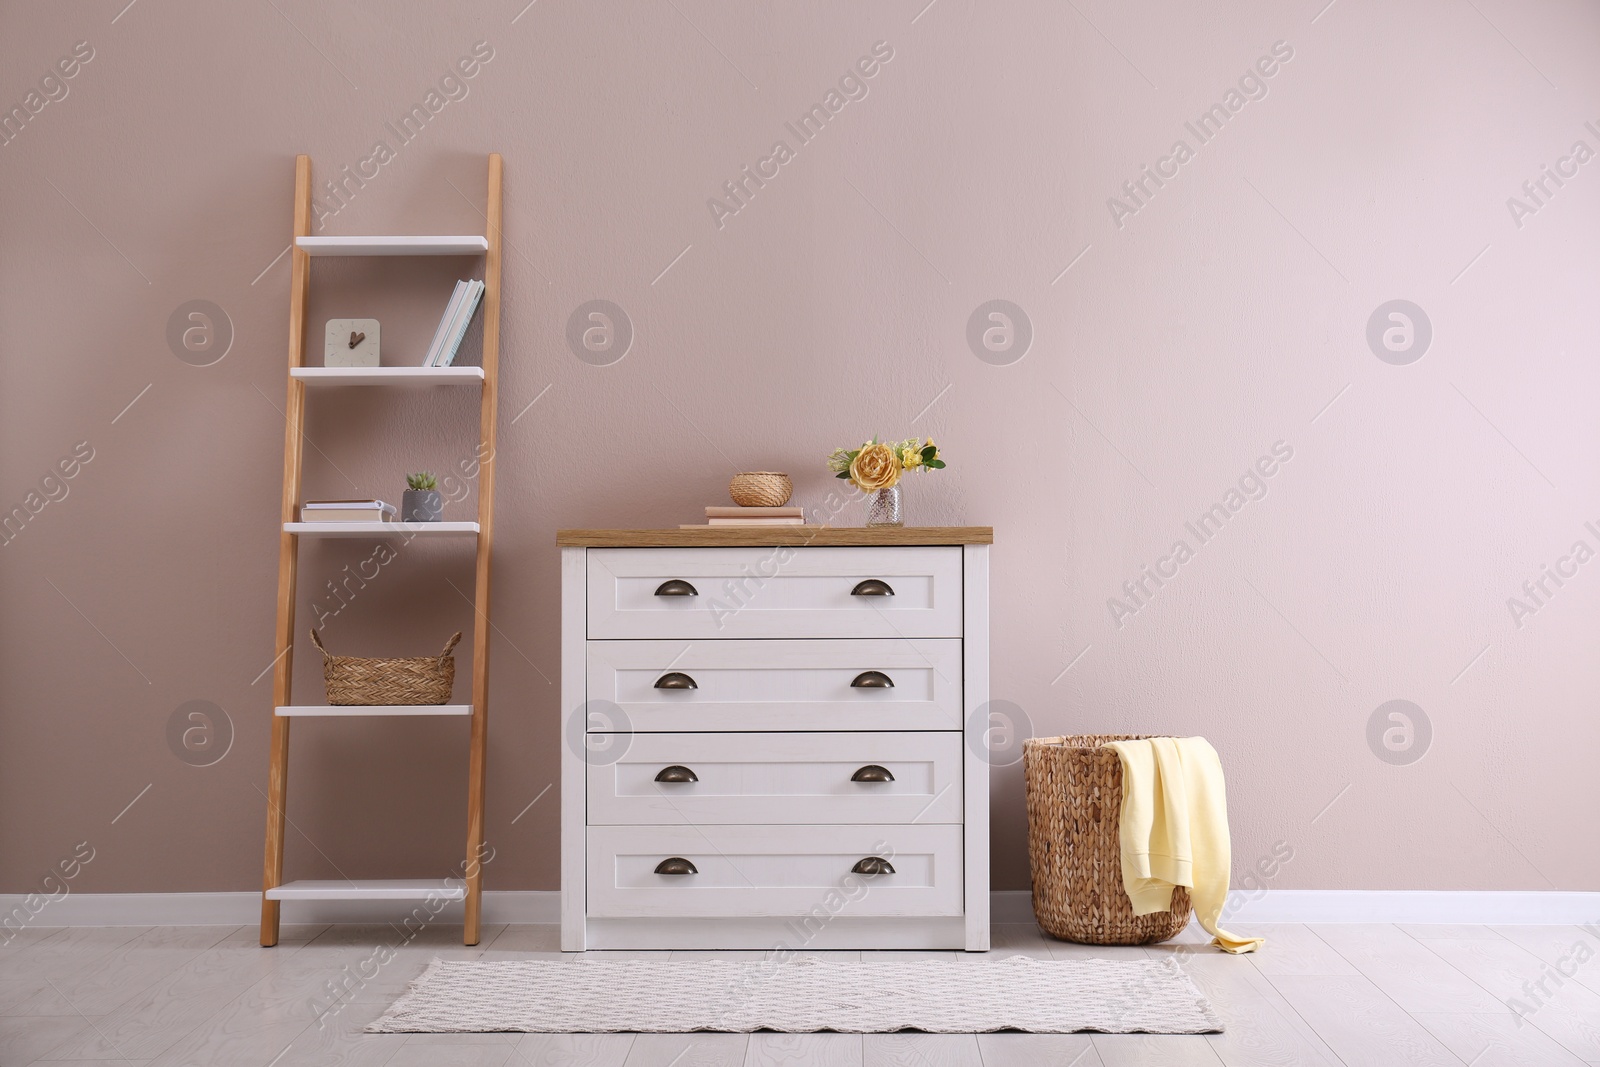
(928, 453)
(842, 474)
(936, 464)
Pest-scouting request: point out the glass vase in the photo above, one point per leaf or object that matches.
(883, 507)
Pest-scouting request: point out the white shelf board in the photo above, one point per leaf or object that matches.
(430, 245)
(381, 529)
(400, 376)
(329, 710)
(371, 889)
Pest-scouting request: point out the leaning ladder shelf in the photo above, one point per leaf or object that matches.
(470, 888)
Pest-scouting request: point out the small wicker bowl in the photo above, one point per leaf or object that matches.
(760, 489)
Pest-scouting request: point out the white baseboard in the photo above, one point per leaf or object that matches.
(1423, 907)
(1515, 908)
(242, 909)
(1011, 906)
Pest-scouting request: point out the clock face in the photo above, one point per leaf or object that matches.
(351, 343)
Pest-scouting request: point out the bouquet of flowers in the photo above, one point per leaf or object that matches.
(879, 464)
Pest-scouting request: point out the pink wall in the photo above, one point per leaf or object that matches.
(1198, 326)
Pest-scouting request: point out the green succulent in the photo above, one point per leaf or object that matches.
(422, 480)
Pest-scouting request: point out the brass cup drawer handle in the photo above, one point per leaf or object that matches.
(676, 773)
(870, 680)
(872, 773)
(872, 587)
(675, 680)
(679, 865)
(872, 865)
(676, 587)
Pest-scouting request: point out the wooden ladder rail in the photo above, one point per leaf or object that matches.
(488, 425)
(288, 554)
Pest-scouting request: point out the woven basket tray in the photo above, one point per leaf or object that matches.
(1074, 790)
(369, 681)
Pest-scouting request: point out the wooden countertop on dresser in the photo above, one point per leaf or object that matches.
(757, 537)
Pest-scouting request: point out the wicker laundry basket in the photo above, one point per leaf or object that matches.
(409, 681)
(1074, 789)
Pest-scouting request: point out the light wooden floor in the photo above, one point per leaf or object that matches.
(1380, 995)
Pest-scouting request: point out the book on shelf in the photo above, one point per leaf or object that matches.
(444, 324)
(346, 511)
(453, 323)
(352, 515)
(469, 307)
(724, 511)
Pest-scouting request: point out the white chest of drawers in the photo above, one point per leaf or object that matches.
(775, 740)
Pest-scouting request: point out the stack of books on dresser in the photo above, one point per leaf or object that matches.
(346, 511)
(750, 518)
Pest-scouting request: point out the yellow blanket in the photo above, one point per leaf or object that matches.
(1175, 830)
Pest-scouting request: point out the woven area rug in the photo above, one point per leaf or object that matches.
(801, 996)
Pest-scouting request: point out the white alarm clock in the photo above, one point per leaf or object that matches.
(351, 343)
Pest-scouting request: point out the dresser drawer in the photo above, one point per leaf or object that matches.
(775, 685)
(712, 779)
(774, 592)
(773, 870)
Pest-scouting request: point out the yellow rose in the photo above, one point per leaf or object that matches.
(875, 467)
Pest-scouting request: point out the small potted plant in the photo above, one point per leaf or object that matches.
(422, 501)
